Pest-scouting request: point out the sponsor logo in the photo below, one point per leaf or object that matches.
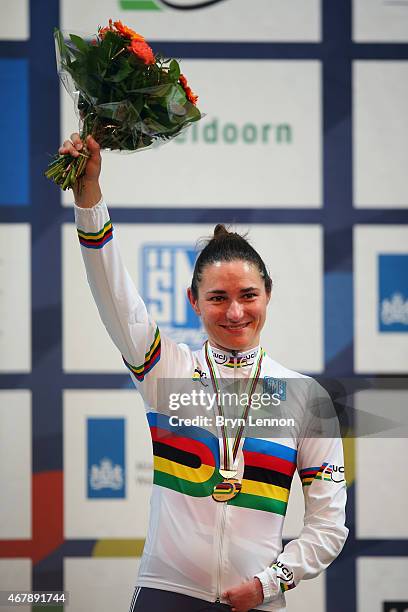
(332, 472)
(248, 359)
(167, 270)
(241, 360)
(106, 458)
(158, 5)
(393, 293)
(216, 131)
(201, 376)
(283, 571)
(327, 471)
(275, 386)
(220, 358)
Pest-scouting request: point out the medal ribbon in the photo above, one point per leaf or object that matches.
(230, 452)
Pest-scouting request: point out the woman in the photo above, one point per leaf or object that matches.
(218, 502)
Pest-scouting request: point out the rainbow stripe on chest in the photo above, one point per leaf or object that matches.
(186, 459)
(268, 473)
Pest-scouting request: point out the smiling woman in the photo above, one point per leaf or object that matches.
(219, 498)
(230, 291)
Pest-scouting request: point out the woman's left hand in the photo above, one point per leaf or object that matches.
(246, 596)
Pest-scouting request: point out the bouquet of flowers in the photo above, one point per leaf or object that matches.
(127, 98)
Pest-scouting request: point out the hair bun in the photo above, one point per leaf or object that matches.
(226, 246)
(220, 231)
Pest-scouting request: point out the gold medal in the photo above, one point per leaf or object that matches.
(228, 474)
(229, 448)
(226, 490)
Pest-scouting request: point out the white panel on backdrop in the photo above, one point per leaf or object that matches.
(292, 335)
(377, 350)
(380, 20)
(259, 144)
(380, 133)
(380, 581)
(263, 20)
(92, 517)
(15, 575)
(15, 464)
(15, 21)
(380, 469)
(100, 584)
(15, 297)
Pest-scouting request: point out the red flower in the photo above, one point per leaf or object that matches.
(190, 95)
(119, 28)
(142, 51)
(126, 32)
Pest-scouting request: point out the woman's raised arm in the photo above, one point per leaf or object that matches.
(124, 314)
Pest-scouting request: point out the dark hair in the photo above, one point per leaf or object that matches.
(227, 246)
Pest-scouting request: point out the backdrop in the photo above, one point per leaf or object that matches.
(304, 144)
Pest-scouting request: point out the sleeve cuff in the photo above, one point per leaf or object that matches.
(270, 585)
(91, 219)
(80, 209)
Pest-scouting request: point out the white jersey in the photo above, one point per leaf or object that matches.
(195, 545)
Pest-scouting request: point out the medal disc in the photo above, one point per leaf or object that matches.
(226, 490)
(228, 474)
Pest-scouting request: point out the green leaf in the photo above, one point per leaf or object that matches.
(110, 45)
(124, 71)
(193, 114)
(161, 91)
(80, 43)
(174, 71)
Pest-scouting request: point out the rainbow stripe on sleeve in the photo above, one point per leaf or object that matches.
(151, 358)
(96, 240)
(287, 586)
(308, 475)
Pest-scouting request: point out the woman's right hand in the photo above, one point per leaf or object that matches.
(86, 190)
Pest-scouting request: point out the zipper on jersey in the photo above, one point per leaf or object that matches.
(222, 522)
(220, 549)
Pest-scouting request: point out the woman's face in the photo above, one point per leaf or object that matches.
(232, 303)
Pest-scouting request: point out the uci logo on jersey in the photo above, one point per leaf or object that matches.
(336, 473)
(283, 571)
(331, 472)
(220, 358)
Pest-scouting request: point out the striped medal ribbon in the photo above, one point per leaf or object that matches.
(229, 447)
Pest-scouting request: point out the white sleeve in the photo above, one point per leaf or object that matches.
(146, 354)
(320, 465)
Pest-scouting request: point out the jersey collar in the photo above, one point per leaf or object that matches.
(234, 359)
